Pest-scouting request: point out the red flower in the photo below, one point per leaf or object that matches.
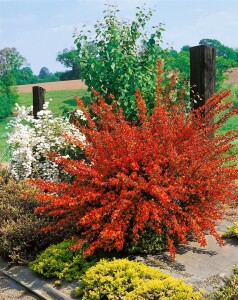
(167, 173)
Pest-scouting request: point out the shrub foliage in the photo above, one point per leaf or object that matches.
(124, 279)
(31, 140)
(120, 57)
(21, 237)
(167, 172)
(61, 262)
(232, 231)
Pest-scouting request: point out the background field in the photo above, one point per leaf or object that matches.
(54, 86)
(63, 100)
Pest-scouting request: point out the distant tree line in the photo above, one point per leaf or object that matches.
(227, 58)
(14, 69)
(25, 76)
(18, 72)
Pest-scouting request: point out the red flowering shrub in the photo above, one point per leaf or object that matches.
(168, 172)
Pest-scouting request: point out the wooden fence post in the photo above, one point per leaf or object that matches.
(38, 99)
(202, 74)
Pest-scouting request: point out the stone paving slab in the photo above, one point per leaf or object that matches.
(44, 289)
(10, 290)
(204, 267)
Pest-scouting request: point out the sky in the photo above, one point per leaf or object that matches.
(40, 29)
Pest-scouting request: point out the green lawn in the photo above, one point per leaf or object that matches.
(3, 149)
(60, 99)
(232, 123)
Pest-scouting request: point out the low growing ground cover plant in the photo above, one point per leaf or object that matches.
(232, 231)
(58, 261)
(168, 172)
(149, 243)
(129, 280)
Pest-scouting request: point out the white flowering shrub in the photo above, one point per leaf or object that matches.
(32, 140)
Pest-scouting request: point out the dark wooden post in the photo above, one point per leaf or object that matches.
(202, 74)
(38, 99)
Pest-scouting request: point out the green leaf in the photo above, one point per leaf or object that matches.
(113, 66)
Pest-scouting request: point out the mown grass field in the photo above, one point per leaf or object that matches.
(64, 100)
(58, 100)
(231, 123)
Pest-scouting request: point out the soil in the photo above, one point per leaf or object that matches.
(53, 86)
(233, 76)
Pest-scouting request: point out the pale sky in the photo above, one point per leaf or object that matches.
(39, 29)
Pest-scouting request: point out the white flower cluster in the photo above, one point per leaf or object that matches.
(31, 140)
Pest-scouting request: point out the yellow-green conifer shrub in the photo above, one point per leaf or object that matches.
(167, 289)
(124, 279)
(232, 231)
(61, 262)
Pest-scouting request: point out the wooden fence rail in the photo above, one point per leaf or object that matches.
(202, 78)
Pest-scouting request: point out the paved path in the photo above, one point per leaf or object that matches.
(204, 267)
(42, 289)
(9, 290)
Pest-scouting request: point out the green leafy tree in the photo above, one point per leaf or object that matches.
(236, 50)
(44, 72)
(7, 99)
(51, 77)
(46, 76)
(10, 60)
(70, 59)
(10, 63)
(221, 50)
(180, 61)
(25, 76)
(120, 57)
(8, 95)
(222, 65)
(225, 59)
